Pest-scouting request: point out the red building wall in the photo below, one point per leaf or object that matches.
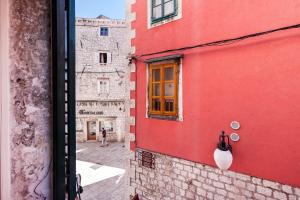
(255, 82)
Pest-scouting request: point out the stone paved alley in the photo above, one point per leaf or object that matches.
(102, 170)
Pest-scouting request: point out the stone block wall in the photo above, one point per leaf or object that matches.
(130, 141)
(178, 179)
(88, 68)
(108, 104)
(99, 112)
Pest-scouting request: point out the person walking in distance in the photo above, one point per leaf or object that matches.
(103, 136)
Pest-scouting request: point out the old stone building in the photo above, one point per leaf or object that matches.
(101, 78)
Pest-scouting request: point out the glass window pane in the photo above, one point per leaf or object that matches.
(100, 126)
(169, 105)
(157, 2)
(169, 89)
(156, 74)
(156, 104)
(157, 12)
(104, 31)
(156, 89)
(92, 128)
(169, 74)
(103, 86)
(79, 125)
(169, 8)
(108, 126)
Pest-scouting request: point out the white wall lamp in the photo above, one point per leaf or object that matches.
(223, 153)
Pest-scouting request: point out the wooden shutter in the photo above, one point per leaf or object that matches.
(63, 78)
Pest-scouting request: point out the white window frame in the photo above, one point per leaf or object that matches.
(97, 57)
(103, 53)
(4, 102)
(168, 20)
(111, 123)
(180, 93)
(100, 31)
(107, 85)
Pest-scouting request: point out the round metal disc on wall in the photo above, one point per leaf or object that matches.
(234, 137)
(235, 125)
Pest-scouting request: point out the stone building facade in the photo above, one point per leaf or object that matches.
(101, 78)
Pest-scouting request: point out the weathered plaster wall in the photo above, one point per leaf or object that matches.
(30, 99)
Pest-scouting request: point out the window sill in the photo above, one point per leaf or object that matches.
(163, 21)
(166, 18)
(163, 117)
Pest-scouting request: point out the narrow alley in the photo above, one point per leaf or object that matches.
(102, 170)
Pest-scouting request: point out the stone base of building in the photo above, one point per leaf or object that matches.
(178, 179)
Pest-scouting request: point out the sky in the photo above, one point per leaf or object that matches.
(114, 9)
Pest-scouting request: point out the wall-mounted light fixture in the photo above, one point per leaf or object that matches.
(222, 155)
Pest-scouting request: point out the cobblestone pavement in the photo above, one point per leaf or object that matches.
(102, 170)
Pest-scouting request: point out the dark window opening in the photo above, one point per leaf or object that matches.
(104, 31)
(169, 105)
(103, 57)
(156, 104)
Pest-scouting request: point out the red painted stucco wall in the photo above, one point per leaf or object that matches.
(256, 82)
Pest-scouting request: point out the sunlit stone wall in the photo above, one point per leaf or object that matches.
(179, 179)
(108, 104)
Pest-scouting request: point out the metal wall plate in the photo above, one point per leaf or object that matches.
(235, 125)
(234, 137)
(146, 159)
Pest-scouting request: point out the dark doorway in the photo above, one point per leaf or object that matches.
(91, 130)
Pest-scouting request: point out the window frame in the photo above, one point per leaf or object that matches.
(162, 97)
(107, 88)
(89, 126)
(112, 126)
(163, 17)
(107, 32)
(105, 54)
(63, 99)
(5, 153)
